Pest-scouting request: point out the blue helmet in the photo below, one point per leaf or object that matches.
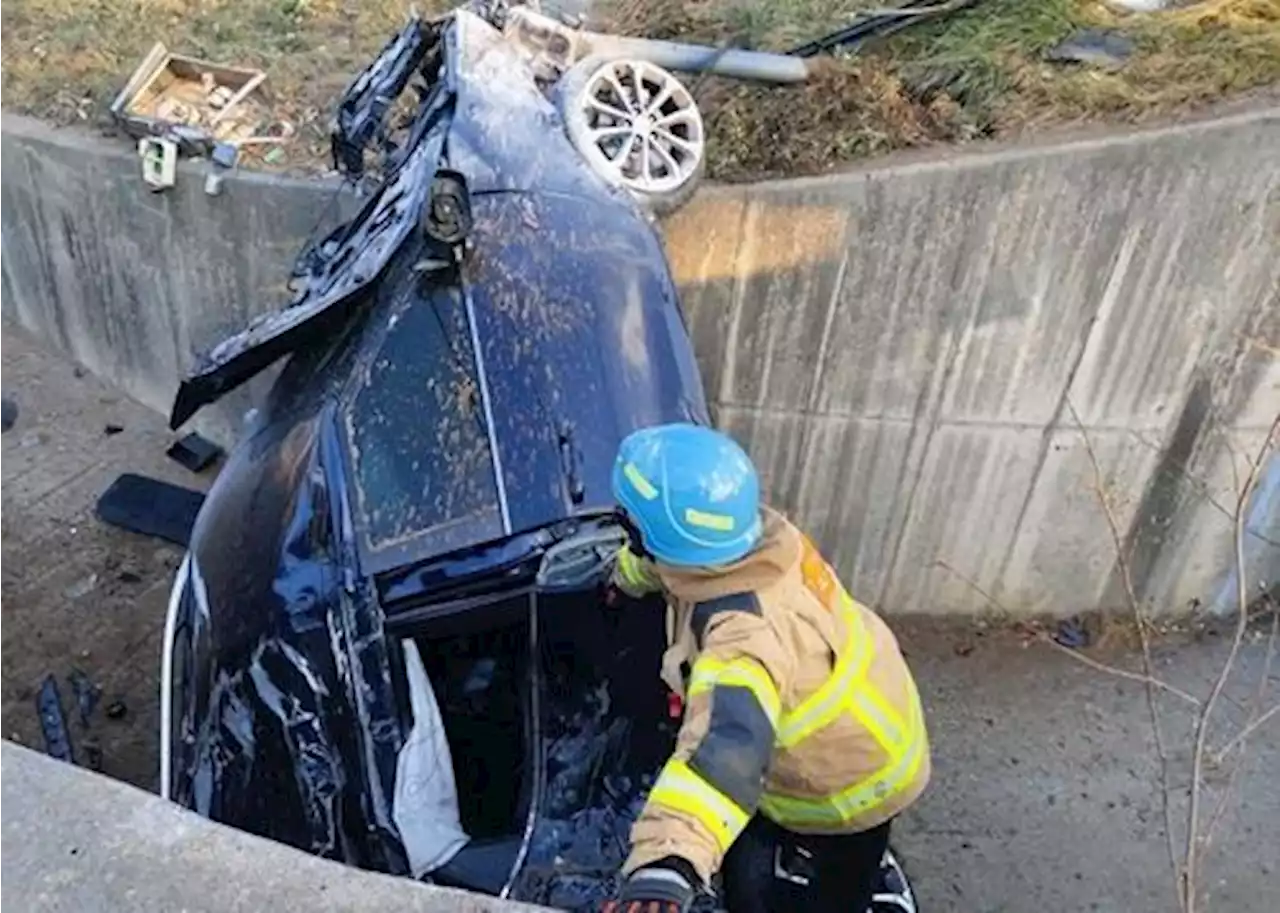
(691, 492)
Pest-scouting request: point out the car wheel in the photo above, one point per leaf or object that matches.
(638, 127)
(893, 892)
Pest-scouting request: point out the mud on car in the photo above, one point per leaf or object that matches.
(386, 644)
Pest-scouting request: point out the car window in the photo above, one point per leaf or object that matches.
(416, 425)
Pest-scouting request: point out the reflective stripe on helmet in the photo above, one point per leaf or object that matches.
(681, 789)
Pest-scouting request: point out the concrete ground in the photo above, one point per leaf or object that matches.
(77, 594)
(1046, 795)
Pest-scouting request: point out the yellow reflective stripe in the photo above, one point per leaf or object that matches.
(633, 573)
(864, 710)
(895, 726)
(719, 522)
(895, 776)
(681, 789)
(643, 486)
(742, 672)
(830, 700)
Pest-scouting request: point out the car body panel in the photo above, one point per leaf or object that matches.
(446, 418)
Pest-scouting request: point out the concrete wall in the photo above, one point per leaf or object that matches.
(78, 841)
(903, 348)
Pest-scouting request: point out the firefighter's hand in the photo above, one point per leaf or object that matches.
(653, 889)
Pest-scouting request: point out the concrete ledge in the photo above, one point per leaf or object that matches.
(910, 350)
(77, 842)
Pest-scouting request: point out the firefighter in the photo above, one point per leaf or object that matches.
(802, 735)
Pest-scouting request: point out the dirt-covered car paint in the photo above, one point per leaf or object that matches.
(446, 418)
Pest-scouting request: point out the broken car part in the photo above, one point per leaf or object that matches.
(150, 507)
(195, 452)
(880, 23)
(53, 721)
(429, 474)
(638, 125)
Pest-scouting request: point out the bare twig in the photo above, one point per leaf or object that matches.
(1122, 673)
(1144, 637)
(973, 584)
(1202, 724)
(1248, 731)
(1254, 722)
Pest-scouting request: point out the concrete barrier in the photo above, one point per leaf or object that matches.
(949, 371)
(75, 840)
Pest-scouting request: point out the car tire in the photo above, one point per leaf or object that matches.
(638, 127)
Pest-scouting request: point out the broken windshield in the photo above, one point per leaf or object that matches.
(420, 447)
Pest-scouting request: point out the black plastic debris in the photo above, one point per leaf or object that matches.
(87, 694)
(880, 23)
(1072, 634)
(117, 710)
(8, 413)
(194, 452)
(53, 721)
(151, 507)
(111, 429)
(1102, 48)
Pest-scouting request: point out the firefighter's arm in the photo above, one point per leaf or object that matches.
(711, 786)
(634, 575)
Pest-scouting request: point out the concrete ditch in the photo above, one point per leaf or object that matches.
(911, 352)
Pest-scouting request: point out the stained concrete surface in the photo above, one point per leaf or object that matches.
(903, 348)
(77, 594)
(1046, 793)
(83, 844)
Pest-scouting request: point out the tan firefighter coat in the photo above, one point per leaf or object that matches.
(798, 704)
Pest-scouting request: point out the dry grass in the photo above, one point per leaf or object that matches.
(980, 72)
(65, 61)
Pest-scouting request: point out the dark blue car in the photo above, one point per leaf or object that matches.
(386, 644)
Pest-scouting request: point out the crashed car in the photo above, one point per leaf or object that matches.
(386, 644)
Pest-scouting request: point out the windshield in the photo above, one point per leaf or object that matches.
(420, 446)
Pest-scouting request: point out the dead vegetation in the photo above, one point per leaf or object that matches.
(979, 72)
(1207, 769)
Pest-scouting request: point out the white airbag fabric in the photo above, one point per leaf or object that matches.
(425, 807)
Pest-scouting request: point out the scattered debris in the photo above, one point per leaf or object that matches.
(93, 756)
(159, 161)
(151, 507)
(129, 577)
(880, 23)
(53, 721)
(111, 429)
(962, 649)
(274, 156)
(87, 694)
(1141, 6)
(1072, 634)
(191, 102)
(1103, 48)
(117, 710)
(194, 452)
(82, 587)
(8, 413)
